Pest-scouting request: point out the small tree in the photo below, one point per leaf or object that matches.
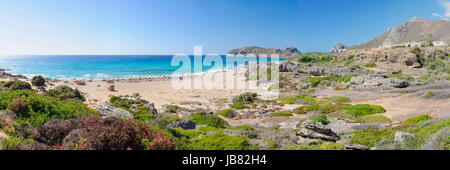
(38, 81)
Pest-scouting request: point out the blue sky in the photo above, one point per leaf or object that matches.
(175, 26)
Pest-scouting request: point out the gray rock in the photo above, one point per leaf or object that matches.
(357, 80)
(340, 125)
(149, 106)
(356, 147)
(366, 126)
(316, 130)
(111, 111)
(338, 48)
(400, 137)
(185, 124)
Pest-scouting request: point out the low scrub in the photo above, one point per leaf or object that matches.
(372, 119)
(318, 118)
(280, 114)
(363, 110)
(220, 141)
(66, 93)
(202, 118)
(339, 99)
(418, 120)
(287, 100)
(228, 113)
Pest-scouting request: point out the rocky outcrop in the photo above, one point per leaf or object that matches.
(376, 80)
(338, 48)
(315, 130)
(356, 147)
(185, 124)
(150, 107)
(111, 111)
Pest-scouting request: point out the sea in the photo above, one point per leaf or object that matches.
(119, 66)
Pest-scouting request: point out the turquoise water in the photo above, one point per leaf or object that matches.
(111, 66)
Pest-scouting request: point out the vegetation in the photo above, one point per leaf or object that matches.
(125, 103)
(37, 109)
(229, 113)
(202, 118)
(315, 57)
(318, 118)
(339, 99)
(325, 81)
(418, 120)
(246, 98)
(17, 85)
(306, 109)
(370, 137)
(280, 114)
(372, 119)
(287, 100)
(66, 93)
(38, 81)
(220, 141)
(319, 146)
(363, 110)
(238, 105)
(172, 108)
(370, 65)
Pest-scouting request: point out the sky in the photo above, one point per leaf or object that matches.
(176, 26)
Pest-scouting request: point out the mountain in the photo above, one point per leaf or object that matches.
(286, 52)
(414, 30)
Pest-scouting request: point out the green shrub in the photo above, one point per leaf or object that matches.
(319, 146)
(339, 99)
(246, 98)
(317, 118)
(125, 103)
(229, 113)
(306, 109)
(428, 95)
(316, 81)
(18, 85)
(38, 81)
(363, 110)
(202, 118)
(43, 108)
(66, 93)
(314, 57)
(280, 114)
(307, 100)
(372, 119)
(220, 141)
(243, 127)
(370, 65)
(238, 105)
(287, 100)
(418, 120)
(172, 109)
(371, 137)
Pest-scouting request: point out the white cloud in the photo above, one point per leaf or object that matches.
(446, 5)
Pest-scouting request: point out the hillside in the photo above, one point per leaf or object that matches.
(414, 30)
(286, 52)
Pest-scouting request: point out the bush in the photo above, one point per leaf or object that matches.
(65, 93)
(339, 99)
(306, 109)
(54, 131)
(287, 100)
(238, 105)
(280, 114)
(172, 109)
(202, 118)
(18, 85)
(38, 81)
(19, 106)
(418, 120)
(229, 113)
(370, 65)
(371, 137)
(42, 108)
(316, 81)
(363, 110)
(220, 141)
(307, 100)
(372, 119)
(125, 103)
(318, 118)
(246, 98)
(320, 146)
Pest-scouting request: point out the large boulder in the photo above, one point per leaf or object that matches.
(356, 147)
(338, 48)
(185, 124)
(315, 130)
(111, 111)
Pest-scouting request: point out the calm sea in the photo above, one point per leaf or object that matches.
(107, 66)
